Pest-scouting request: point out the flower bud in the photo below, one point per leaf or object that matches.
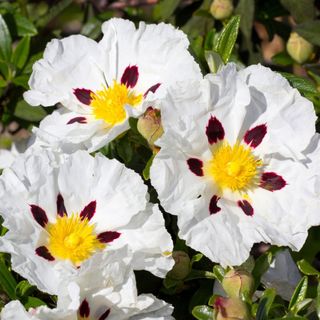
(238, 284)
(231, 309)
(149, 126)
(221, 9)
(182, 265)
(298, 48)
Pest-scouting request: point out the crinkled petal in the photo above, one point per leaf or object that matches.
(65, 67)
(152, 238)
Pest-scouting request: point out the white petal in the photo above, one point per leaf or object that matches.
(152, 245)
(15, 311)
(164, 61)
(65, 67)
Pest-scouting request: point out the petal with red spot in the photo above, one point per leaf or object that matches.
(84, 310)
(195, 165)
(81, 120)
(104, 315)
(254, 136)
(213, 206)
(130, 76)
(61, 209)
(44, 253)
(214, 130)
(108, 236)
(88, 211)
(152, 89)
(83, 95)
(272, 181)
(246, 207)
(39, 215)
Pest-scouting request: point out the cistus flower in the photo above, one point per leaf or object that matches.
(238, 284)
(102, 84)
(236, 169)
(221, 9)
(110, 294)
(63, 210)
(147, 307)
(231, 309)
(299, 48)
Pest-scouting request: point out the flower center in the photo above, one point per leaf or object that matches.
(109, 104)
(74, 239)
(234, 167)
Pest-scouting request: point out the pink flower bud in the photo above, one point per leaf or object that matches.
(231, 309)
(149, 126)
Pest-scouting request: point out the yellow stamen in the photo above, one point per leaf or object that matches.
(235, 168)
(109, 104)
(71, 238)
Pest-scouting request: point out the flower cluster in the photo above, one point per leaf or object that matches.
(234, 158)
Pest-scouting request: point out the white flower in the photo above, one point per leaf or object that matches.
(283, 275)
(98, 307)
(233, 164)
(97, 296)
(61, 211)
(102, 84)
(7, 157)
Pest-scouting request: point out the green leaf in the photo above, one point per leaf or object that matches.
(214, 61)
(203, 313)
(310, 30)
(21, 81)
(146, 170)
(7, 281)
(54, 11)
(302, 84)
(196, 258)
(282, 59)
(318, 300)
(300, 10)
(261, 266)
(24, 288)
(265, 304)
(170, 283)
(26, 112)
(21, 53)
(33, 302)
(202, 295)
(92, 28)
(299, 294)
(164, 9)
(124, 149)
(227, 38)
(3, 83)
(200, 274)
(245, 9)
(304, 304)
(24, 26)
(5, 40)
(4, 69)
(219, 272)
(306, 268)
